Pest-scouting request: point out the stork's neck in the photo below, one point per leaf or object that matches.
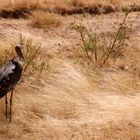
(19, 53)
(18, 60)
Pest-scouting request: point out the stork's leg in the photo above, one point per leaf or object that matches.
(11, 104)
(6, 103)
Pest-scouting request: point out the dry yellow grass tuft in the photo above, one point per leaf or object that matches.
(45, 20)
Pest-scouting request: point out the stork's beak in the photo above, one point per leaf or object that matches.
(18, 50)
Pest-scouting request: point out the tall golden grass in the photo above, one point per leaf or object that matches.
(61, 3)
(69, 104)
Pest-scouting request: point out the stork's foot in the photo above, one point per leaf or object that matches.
(7, 116)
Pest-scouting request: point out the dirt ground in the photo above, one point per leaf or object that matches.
(66, 103)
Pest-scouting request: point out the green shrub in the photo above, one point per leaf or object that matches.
(100, 47)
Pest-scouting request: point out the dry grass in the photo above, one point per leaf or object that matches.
(12, 4)
(45, 20)
(78, 3)
(6, 53)
(24, 8)
(81, 114)
(94, 105)
(70, 100)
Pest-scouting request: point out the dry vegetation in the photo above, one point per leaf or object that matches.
(45, 20)
(62, 3)
(23, 8)
(67, 92)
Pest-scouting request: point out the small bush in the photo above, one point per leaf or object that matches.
(34, 55)
(99, 48)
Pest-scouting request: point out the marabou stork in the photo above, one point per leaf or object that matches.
(10, 74)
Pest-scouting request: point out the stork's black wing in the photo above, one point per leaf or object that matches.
(6, 70)
(5, 77)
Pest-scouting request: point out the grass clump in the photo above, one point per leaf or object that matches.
(5, 54)
(77, 3)
(44, 20)
(34, 55)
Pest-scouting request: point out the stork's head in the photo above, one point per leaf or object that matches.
(19, 58)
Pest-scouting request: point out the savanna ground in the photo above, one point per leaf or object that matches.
(62, 94)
